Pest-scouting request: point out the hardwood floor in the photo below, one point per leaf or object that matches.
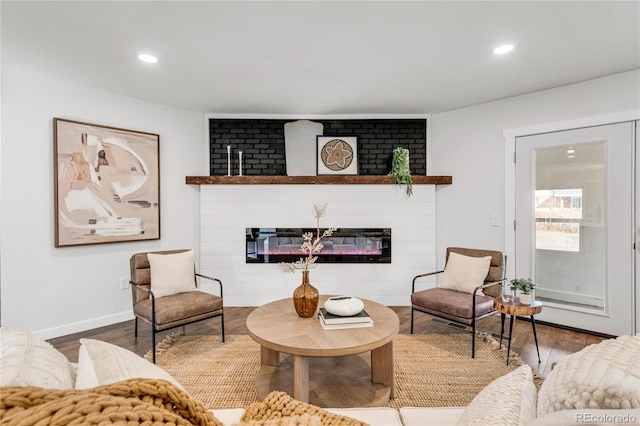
(554, 343)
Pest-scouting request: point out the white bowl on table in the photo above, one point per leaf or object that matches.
(344, 306)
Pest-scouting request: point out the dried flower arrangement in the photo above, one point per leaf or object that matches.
(310, 245)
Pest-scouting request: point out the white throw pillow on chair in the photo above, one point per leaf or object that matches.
(465, 273)
(172, 273)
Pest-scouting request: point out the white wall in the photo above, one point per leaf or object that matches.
(57, 291)
(468, 144)
(228, 209)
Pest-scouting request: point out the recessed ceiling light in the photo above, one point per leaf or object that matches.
(148, 58)
(505, 48)
(571, 151)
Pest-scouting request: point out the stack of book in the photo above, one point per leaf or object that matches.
(334, 322)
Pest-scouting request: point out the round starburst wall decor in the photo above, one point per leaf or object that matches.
(337, 155)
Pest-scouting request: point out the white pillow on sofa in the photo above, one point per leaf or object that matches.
(603, 375)
(508, 400)
(465, 273)
(172, 273)
(27, 360)
(101, 363)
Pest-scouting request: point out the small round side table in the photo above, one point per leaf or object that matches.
(515, 309)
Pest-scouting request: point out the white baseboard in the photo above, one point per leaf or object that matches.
(76, 327)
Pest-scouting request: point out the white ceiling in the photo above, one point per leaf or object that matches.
(328, 57)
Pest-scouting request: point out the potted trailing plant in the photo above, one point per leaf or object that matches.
(525, 286)
(400, 172)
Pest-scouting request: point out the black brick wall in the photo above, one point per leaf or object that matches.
(263, 152)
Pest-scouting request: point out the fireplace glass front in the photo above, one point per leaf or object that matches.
(346, 245)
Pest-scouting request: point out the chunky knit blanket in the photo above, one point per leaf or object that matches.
(279, 409)
(131, 402)
(147, 402)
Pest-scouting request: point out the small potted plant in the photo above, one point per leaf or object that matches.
(525, 287)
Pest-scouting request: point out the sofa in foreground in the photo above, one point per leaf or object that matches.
(109, 384)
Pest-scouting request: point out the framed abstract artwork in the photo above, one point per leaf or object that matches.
(337, 155)
(106, 184)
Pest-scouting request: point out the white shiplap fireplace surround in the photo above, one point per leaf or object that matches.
(226, 210)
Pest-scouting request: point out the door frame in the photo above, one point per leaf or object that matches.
(510, 136)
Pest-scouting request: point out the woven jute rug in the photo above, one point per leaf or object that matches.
(432, 370)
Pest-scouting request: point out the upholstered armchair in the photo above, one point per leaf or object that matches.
(165, 292)
(471, 280)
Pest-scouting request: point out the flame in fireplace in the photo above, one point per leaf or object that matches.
(345, 245)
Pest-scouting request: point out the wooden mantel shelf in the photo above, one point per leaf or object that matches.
(312, 180)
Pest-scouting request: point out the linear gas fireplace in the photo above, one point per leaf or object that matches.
(346, 245)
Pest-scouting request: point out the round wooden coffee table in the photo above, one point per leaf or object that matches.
(328, 368)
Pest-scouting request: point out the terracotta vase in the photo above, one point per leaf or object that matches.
(305, 297)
